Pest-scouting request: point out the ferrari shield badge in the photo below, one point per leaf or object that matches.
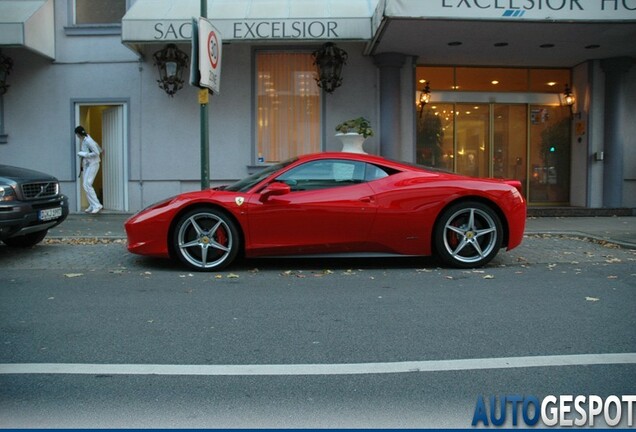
(239, 201)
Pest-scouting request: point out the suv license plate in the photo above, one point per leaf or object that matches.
(50, 214)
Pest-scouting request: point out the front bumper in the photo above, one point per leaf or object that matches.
(19, 218)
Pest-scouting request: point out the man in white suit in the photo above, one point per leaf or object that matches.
(90, 154)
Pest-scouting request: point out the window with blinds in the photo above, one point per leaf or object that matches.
(288, 106)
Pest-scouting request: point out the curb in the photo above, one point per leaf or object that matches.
(582, 235)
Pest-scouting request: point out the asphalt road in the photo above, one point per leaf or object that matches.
(306, 343)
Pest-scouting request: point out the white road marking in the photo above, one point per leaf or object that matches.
(319, 369)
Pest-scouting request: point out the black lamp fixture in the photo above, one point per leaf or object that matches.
(171, 62)
(568, 98)
(425, 96)
(329, 60)
(6, 65)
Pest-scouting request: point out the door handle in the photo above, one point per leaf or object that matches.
(366, 199)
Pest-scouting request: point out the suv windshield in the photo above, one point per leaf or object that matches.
(248, 182)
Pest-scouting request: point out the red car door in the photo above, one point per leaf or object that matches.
(323, 218)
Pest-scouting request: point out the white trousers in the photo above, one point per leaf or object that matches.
(90, 171)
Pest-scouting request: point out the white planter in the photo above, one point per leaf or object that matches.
(352, 142)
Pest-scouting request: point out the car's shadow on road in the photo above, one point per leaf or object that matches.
(297, 264)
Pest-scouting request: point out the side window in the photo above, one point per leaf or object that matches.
(374, 172)
(324, 174)
(89, 12)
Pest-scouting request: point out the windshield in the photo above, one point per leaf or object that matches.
(248, 182)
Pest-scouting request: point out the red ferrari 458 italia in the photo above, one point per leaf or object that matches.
(334, 204)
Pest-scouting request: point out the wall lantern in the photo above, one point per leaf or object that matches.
(171, 62)
(329, 60)
(568, 98)
(6, 65)
(425, 97)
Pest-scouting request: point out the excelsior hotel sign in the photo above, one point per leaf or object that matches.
(247, 30)
(538, 10)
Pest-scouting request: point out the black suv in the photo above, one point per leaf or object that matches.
(30, 204)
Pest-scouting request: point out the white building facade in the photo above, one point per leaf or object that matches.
(91, 62)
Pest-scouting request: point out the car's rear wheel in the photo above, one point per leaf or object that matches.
(206, 239)
(468, 234)
(27, 240)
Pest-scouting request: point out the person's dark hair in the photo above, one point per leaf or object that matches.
(81, 131)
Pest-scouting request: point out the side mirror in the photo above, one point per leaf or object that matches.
(274, 189)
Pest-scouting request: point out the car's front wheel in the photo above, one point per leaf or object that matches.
(468, 234)
(206, 239)
(27, 240)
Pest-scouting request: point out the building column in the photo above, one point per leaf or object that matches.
(390, 65)
(614, 69)
(4, 138)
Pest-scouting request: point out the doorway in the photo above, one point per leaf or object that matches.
(525, 142)
(106, 123)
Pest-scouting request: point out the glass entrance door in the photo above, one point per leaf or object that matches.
(510, 142)
(472, 140)
(529, 143)
(436, 137)
(549, 155)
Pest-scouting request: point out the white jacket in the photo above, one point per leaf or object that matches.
(90, 151)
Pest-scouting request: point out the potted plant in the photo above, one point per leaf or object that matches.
(358, 125)
(352, 133)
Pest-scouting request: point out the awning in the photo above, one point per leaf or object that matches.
(161, 21)
(530, 10)
(29, 24)
(505, 33)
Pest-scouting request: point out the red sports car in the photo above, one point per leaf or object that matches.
(335, 203)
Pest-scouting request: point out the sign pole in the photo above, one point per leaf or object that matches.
(207, 44)
(205, 138)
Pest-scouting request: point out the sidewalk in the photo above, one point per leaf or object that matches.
(620, 230)
(101, 225)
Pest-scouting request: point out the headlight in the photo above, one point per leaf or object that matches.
(7, 193)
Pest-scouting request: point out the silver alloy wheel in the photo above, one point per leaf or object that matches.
(470, 235)
(205, 240)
